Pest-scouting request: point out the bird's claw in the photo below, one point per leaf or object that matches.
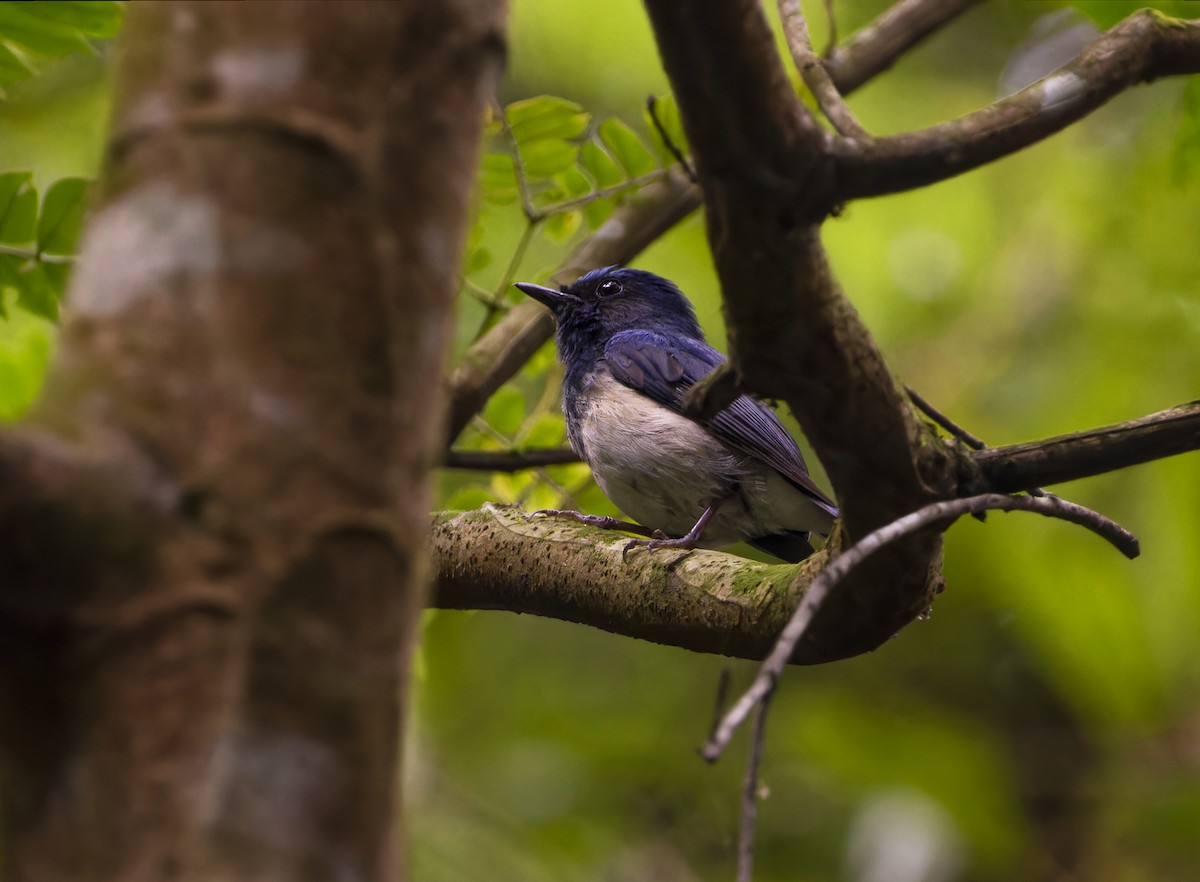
(660, 540)
(601, 521)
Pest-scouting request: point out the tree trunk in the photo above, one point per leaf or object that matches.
(215, 525)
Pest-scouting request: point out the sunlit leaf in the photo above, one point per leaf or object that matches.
(624, 143)
(25, 345)
(37, 291)
(99, 19)
(468, 498)
(542, 496)
(18, 209)
(574, 182)
(505, 410)
(42, 29)
(22, 26)
(600, 165)
(597, 211)
(62, 216)
(498, 178)
(12, 66)
(542, 430)
(546, 117)
(562, 226)
(548, 157)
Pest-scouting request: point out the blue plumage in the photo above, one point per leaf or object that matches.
(631, 348)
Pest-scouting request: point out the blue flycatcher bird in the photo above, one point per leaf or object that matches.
(631, 348)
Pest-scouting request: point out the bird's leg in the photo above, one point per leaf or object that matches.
(687, 541)
(601, 521)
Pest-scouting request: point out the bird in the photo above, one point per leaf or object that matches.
(631, 348)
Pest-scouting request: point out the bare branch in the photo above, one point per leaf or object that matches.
(874, 48)
(944, 421)
(508, 460)
(1143, 47)
(1091, 452)
(750, 793)
(706, 601)
(941, 514)
(815, 76)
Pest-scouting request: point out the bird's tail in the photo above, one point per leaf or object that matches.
(792, 547)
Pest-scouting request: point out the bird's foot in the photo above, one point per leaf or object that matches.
(687, 542)
(661, 540)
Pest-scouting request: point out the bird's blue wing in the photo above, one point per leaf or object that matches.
(664, 368)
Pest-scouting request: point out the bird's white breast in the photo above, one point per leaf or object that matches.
(663, 469)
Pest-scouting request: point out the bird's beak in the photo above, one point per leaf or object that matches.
(556, 300)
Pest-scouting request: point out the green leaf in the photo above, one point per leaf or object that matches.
(43, 29)
(562, 226)
(597, 211)
(100, 19)
(542, 430)
(25, 345)
(478, 259)
(18, 209)
(22, 26)
(546, 117)
(574, 182)
(57, 276)
(629, 150)
(468, 498)
(37, 292)
(13, 67)
(62, 216)
(546, 158)
(505, 410)
(600, 165)
(498, 178)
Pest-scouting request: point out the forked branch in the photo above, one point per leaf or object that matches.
(1143, 47)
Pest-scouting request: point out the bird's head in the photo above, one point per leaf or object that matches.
(612, 299)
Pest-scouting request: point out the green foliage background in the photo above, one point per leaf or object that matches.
(1047, 712)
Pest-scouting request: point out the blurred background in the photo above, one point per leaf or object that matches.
(1045, 722)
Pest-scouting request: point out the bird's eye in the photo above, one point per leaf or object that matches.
(609, 288)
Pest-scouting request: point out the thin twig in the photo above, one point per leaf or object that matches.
(815, 76)
(603, 193)
(518, 167)
(972, 441)
(508, 460)
(668, 142)
(750, 794)
(40, 257)
(839, 567)
(719, 702)
(500, 294)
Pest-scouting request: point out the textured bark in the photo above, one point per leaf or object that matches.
(765, 174)
(216, 522)
(501, 558)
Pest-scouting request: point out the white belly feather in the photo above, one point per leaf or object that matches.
(662, 469)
